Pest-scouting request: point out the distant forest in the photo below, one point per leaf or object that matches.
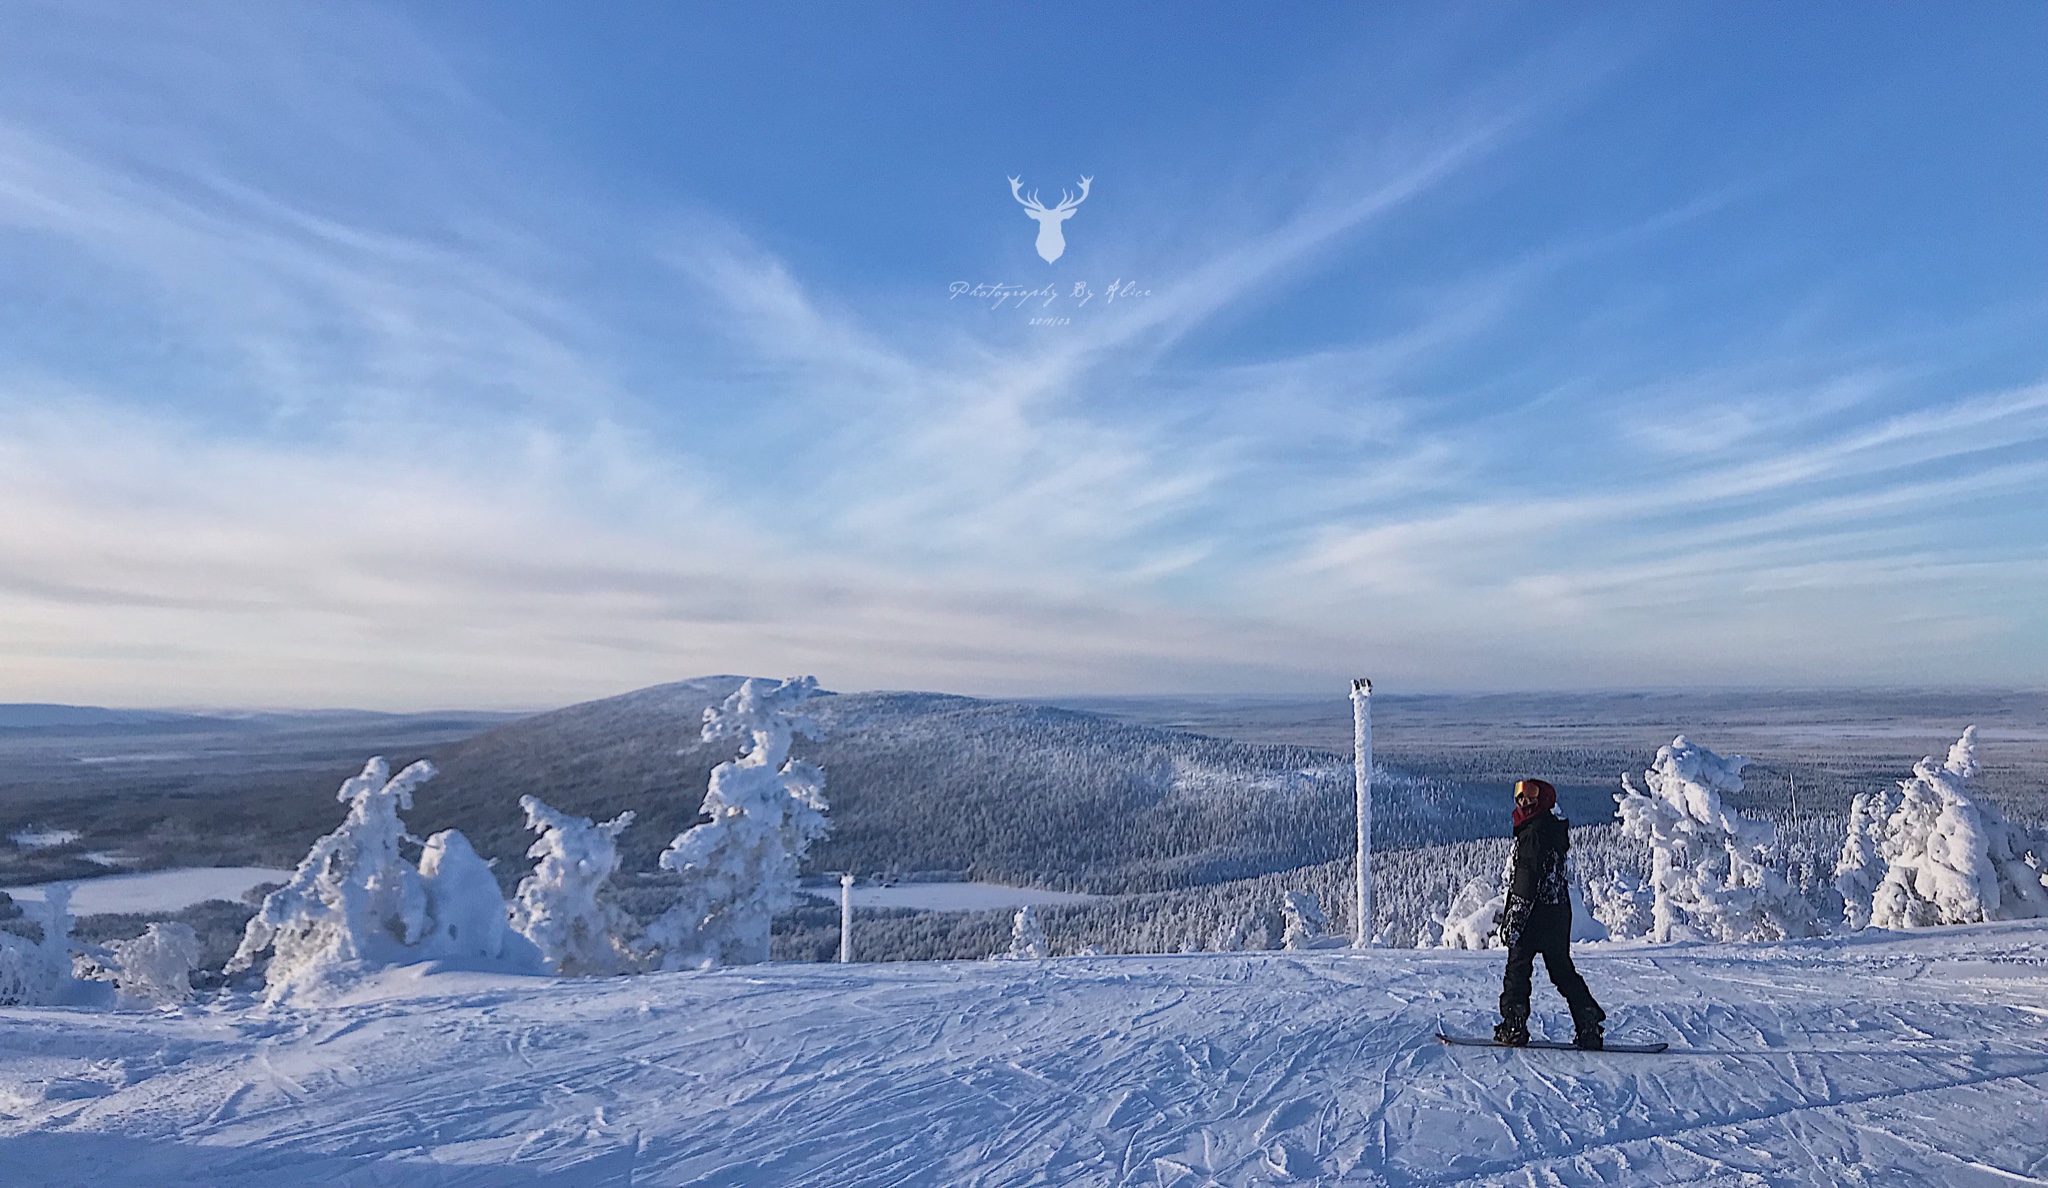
(1194, 838)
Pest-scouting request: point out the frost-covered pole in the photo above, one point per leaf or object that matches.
(1361, 736)
(845, 917)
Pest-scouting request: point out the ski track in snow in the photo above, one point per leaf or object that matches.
(1875, 1059)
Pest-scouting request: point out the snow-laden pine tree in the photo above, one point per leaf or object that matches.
(1027, 937)
(1623, 905)
(557, 906)
(21, 972)
(353, 897)
(155, 969)
(355, 902)
(1306, 923)
(1862, 864)
(740, 867)
(1473, 919)
(467, 919)
(1710, 865)
(1951, 858)
(38, 973)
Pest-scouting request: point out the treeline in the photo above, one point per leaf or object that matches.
(1412, 887)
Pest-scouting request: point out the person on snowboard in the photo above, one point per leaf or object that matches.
(1538, 919)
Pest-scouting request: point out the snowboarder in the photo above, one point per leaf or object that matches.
(1538, 919)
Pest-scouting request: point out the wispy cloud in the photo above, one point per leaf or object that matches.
(438, 427)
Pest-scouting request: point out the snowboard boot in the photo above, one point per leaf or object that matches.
(1587, 1033)
(1513, 1029)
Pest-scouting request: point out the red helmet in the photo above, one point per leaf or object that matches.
(1534, 796)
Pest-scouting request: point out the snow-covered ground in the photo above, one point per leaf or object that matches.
(950, 897)
(156, 890)
(1875, 1058)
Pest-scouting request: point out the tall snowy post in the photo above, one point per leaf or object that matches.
(845, 918)
(1361, 737)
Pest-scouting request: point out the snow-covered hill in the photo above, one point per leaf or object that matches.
(927, 782)
(1877, 1058)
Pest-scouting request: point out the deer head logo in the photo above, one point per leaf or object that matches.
(1051, 242)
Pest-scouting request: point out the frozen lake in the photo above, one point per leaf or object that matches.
(156, 890)
(950, 897)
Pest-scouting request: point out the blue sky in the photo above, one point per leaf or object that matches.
(507, 354)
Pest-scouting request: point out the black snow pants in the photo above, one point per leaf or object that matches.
(1546, 928)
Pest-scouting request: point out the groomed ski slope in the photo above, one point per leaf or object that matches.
(1874, 1059)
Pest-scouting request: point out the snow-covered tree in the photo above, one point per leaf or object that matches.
(1306, 923)
(466, 913)
(1950, 858)
(1862, 864)
(1027, 937)
(353, 897)
(1226, 937)
(740, 867)
(39, 973)
(155, 969)
(1623, 905)
(1710, 866)
(1473, 919)
(24, 976)
(557, 906)
(355, 902)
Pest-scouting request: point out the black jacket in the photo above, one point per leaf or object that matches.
(1541, 844)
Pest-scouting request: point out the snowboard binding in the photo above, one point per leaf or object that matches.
(1587, 1033)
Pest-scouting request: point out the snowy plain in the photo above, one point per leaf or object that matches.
(1877, 1058)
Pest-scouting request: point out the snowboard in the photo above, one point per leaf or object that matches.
(1474, 1041)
